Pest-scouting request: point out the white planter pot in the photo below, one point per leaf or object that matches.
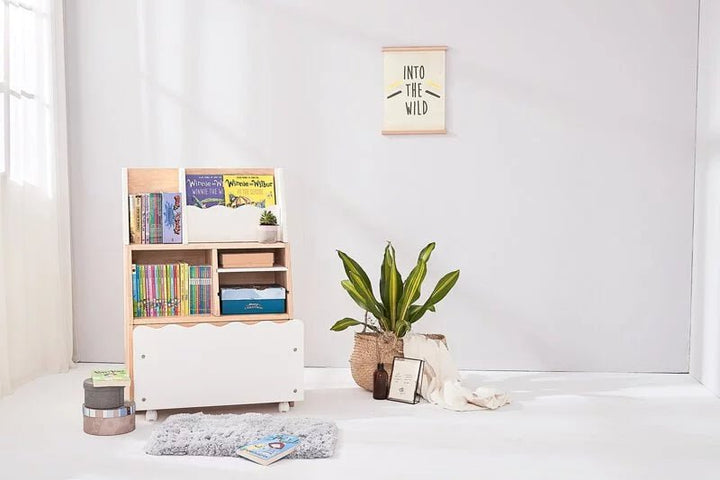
(267, 233)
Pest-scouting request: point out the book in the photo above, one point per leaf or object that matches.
(135, 210)
(155, 212)
(144, 218)
(204, 191)
(258, 190)
(269, 449)
(116, 377)
(171, 218)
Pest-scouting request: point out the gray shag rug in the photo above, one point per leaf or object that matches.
(221, 435)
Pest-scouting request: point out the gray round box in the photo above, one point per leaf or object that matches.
(103, 398)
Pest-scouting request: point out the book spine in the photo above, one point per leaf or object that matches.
(132, 219)
(138, 218)
(158, 218)
(186, 288)
(144, 212)
(141, 286)
(208, 288)
(135, 297)
(168, 289)
(151, 218)
(144, 295)
(191, 297)
(201, 289)
(151, 296)
(176, 275)
(156, 292)
(161, 291)
(173, 284)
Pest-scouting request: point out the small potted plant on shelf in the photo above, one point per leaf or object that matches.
(387, 320)
(268, 228)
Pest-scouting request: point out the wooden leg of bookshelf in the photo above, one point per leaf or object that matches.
(284, 407)
(151, 415)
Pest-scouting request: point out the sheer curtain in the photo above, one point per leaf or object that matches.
(35, 289)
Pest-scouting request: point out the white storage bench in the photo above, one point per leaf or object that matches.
(207, 365)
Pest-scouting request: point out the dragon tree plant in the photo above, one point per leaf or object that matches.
(397, 310)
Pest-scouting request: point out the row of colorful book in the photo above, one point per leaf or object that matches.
(155, 217)
(205, 191)
(171, 289)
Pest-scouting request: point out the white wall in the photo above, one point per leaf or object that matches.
(563, 191)
(705, 359)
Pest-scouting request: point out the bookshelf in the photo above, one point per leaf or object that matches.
(211, 359)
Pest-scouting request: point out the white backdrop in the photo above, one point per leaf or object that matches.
(563, 190)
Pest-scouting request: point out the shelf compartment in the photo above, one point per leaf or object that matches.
(210, 319)
(274, 268)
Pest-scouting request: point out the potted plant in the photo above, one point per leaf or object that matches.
(268, 228)
(388, 319)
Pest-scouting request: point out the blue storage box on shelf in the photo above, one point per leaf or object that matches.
(249, 299)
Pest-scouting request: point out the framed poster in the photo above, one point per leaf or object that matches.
(414, 90)
(405, 380)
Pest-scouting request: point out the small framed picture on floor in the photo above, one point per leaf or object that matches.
(405, 380)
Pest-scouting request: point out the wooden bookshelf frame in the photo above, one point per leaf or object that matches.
(149, 180)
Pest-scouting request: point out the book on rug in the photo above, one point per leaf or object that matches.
(270, 448)
(112, 377)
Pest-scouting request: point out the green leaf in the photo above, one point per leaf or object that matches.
(345, 323)
(402, 329)
(355, 295)
(413, 310)
(390, 284)
(369, 299)
(351, 266)
(366, 304)
(425, 252)
(443, 287)
(424, 257)
(411, 289)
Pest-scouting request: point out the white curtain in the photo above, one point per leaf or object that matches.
(35, 290)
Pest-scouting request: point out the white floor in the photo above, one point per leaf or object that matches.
(561, 425)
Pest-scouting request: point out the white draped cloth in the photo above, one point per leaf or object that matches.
(441, 383)
(36, 330)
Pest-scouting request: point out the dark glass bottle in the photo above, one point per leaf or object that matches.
(380, 383)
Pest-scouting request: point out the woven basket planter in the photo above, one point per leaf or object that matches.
(373, 348)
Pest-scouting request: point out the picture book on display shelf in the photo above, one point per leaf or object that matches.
(202, 205)
(218, 198)
(269, 449)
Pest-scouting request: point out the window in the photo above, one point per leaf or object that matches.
(25, 76)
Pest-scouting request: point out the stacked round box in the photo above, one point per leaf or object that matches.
(105, 411)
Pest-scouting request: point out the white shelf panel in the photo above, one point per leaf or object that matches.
(206, 365)
(276, 268)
